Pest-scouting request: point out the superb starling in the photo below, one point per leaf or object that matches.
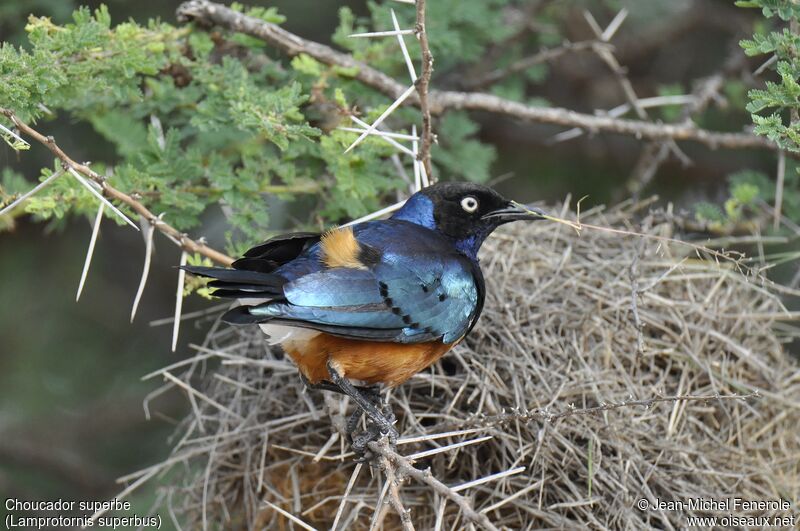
(376, 302)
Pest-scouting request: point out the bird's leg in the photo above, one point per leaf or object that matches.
(380, 420)
(352, 422)
(324, 385)
(372, 433)
(372, 392)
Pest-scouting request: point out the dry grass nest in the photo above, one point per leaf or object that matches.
(562, 406)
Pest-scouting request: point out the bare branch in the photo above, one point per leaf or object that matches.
(186, 243)
(608, 57)
(423, 84)
(210, 13)
(405, 467)
(394, 494)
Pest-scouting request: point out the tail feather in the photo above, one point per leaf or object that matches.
(237, 276)
(254, 288)
(241, 316)
(235, 283)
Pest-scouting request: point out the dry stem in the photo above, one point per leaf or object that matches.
(423, 88)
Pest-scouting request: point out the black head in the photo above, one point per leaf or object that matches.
(465, 212)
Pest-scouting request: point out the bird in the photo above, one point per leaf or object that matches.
(364, 307)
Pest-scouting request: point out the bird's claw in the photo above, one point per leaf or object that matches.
(374, 432)
(360, 442)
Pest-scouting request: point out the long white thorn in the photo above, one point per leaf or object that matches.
(388, 139)
(481, 481)
(23, 197)
(386, 134)
(90, 250)
(148, 253)
(434, 436)
(91, 187)
(179, 302)
(382, 117)
(614, 25)
(381, 33)
(434, 451)
(376, 214)
(414, 151)
(412, 73)
(423, 175)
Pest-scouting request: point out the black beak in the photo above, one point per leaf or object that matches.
(514, 211)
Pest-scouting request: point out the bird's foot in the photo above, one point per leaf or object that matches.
(379, 415)
(374, 431)
(360, 441)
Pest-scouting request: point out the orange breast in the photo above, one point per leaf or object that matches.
(370, 361)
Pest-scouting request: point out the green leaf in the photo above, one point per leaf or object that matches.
(459, 152)
(306, 64)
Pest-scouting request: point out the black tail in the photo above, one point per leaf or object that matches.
(240, 284)
(252, 276)
(241, 316)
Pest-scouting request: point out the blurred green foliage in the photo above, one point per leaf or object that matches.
(781, 99)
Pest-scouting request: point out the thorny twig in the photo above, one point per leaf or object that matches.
(401, 466)
(423, 84)
(186, 243)
(610, 59)
(394, 495)
(405, 467)
(210, 13)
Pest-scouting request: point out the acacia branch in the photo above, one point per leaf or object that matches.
(394, 495)
(423, 84)
(402, 466)
(209, 14)
(186, 243)
(405, 467)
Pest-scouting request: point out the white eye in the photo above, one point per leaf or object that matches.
(469, 204)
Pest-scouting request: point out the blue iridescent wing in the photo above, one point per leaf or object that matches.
(420, 290)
